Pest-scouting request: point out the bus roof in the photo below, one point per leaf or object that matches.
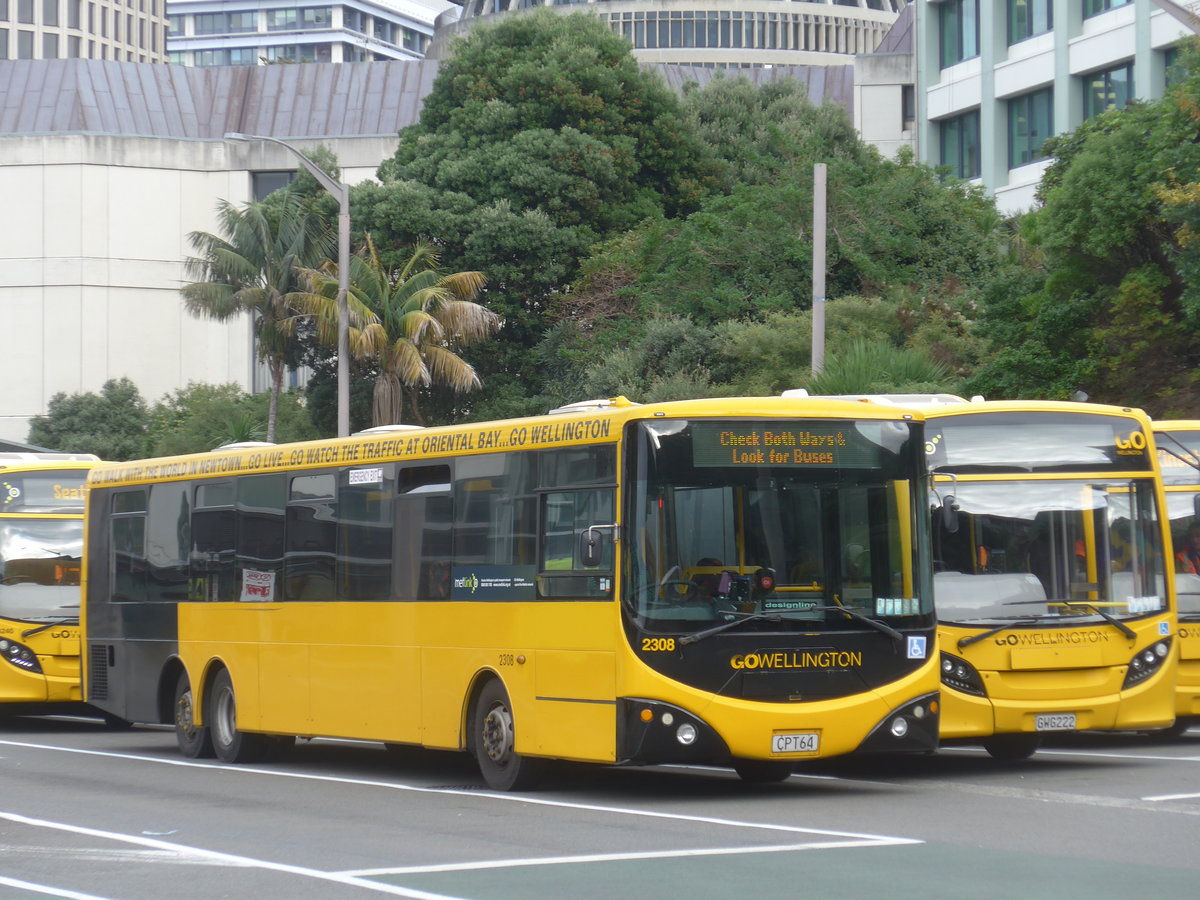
(581, 425)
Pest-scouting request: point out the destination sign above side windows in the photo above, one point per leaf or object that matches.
(1035, 442)
(811, 444)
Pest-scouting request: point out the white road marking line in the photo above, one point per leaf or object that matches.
(1098, 754)
(227, 859)
(508, 798)
(1161, 797)
(620, 857)
(46, 889)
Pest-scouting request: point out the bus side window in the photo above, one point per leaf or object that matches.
(311, 551)
(128, 542)
(565, 514)
(423, 535)
(211, 562)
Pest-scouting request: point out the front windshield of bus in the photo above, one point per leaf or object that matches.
(39, 568)
(1185, 533)
(1047, 551)
(782, 522)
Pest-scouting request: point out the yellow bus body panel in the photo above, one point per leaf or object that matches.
(1084, 678)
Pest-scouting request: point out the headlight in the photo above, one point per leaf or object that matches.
(960, 675)
(1146, 662)
(20, 656)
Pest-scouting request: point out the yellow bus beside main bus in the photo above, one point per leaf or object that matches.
(1055, 606)
(741, 582)
(1056, 612)
(41, 545)
(1178, 444)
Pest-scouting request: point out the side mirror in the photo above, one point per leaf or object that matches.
(950, 515)
(592, 542)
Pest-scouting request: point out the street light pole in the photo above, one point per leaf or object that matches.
(341, 192)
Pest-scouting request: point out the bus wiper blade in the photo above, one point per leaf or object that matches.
(1120, 626)
(32, 631)
(866, 620)
(724, 626)
(965, 642)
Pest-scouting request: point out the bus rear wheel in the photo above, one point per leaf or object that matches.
(231, 745)
(195, 741)
(1010, 747)
(494, 742)
(762, 771)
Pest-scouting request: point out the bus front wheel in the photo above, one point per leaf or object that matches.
(762, 771)
(231, 745)
(494, 742)
(1010, 747)
(194, 740)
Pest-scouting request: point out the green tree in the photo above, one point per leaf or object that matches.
(409, 322)
(201, 417)
(1114, 285)
(111, 424)
(250, 268)
(541, 135)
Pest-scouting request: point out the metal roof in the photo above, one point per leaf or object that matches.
(91, 96)
(87, 96)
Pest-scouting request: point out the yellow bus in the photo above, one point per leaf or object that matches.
(1051, 563)
(739, 582)
(1055, 609)
(1179, 459)
(41, 545)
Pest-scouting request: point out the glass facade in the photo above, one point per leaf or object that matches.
(959, 144)
(958, 22)
(1095, 7)
(1029, 18)
(1110, 89)
(1030, 122)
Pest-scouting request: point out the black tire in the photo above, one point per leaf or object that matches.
(1012, 747)
(493, 738)
(763, 771)
(231, 745)
(195, 741)
(1176, 729)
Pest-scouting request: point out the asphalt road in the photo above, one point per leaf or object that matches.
(87, 812)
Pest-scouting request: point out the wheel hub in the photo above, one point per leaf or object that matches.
(497, 734)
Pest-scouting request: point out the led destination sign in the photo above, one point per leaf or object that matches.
(810, 445)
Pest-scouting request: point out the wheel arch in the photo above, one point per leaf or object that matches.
(479, 681)
(167, 679)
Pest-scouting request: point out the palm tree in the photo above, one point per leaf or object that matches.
(252, 267)
(410, 322)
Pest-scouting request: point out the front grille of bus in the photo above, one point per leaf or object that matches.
(98, 682)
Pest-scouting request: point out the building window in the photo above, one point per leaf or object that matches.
(1030, 122)
(959, 141)
(212, 58)
(175, 25)
(242, 22)
(354, 20)
(243, 56)
(73, 15)
(317, 17)
(24, 45)
(25, 12)
(49, 46)
(908, 107)
(264, 183)
(49, 13)
(959, 24)
(1173, 72)
(207, 23)
(1095, 7)
(3, 43)
(1110, 89)
(1028, 18)
(282, 19)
